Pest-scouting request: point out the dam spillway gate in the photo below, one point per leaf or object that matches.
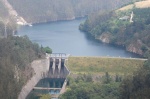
(57, 68)
(53, 81)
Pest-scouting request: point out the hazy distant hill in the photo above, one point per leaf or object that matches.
(6, 20)
(36, 11)
(3, 10)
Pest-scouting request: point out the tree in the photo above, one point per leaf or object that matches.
(47, 50)
(106, 78)
(138, 85)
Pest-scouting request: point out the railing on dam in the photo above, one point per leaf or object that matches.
(59, 55)
(57, 68)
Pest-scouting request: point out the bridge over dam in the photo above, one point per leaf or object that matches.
(53, 67)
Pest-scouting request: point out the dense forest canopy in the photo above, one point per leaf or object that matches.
(35, 11)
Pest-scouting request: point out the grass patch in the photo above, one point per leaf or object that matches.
(143, 4)
(126, 7)
(97, 65)
(140, 4)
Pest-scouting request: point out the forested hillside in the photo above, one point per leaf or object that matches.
(35, 11)
(16, 54)
(117, 27)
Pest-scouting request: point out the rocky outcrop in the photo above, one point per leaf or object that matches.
(13, 13)
(135, 47)
(105, 37)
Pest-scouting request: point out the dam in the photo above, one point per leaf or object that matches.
(57, 67)
(49, 77)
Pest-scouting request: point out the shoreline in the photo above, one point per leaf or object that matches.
(111, 44)
(91, 37)
(59, 20)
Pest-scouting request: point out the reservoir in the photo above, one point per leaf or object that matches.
(65, 37)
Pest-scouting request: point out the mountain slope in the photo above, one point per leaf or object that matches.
(16, 54)
(35, 11)
(3, 11)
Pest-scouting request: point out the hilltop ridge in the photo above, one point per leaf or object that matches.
(34, 11)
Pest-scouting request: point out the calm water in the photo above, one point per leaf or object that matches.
(47, 83)
(65, 37)
(51, 82)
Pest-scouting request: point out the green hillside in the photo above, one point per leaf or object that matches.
(16, 55)
(36, 11)
(115, 27)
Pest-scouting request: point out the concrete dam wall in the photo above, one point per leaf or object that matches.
(51, 67)
(57, 69)
(40, 67)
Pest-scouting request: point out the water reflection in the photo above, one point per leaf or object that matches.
(51, 82)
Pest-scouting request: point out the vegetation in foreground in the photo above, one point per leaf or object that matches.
(84, 88)
(136, 86)
(40, 96)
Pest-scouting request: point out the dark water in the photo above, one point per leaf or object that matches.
(51, 82)
(47, 83)
(65, 37)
